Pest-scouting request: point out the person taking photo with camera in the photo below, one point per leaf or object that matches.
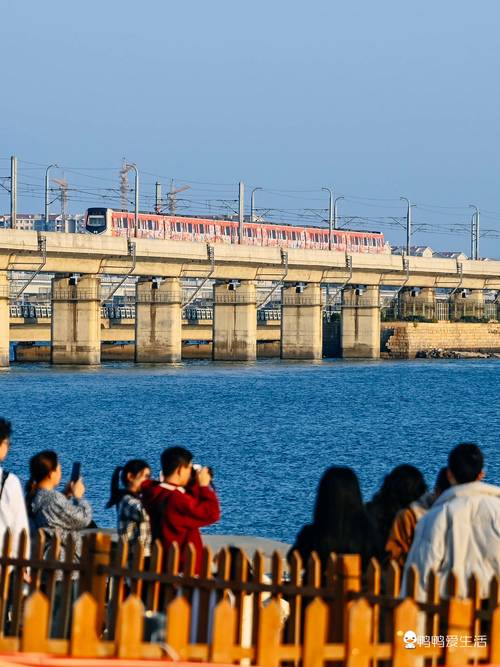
(182, 503)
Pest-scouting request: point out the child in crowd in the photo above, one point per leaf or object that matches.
(133, 520)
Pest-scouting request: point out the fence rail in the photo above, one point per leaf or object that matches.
(109, 602)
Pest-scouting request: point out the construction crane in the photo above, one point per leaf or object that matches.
(63, 196)
(172, 196)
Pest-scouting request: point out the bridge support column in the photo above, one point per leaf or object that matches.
(301, 322)
(467, 303)
(76, 320)
(235, 322)
(158, 321)
(4, 319)
(418, 303)
(360, 329)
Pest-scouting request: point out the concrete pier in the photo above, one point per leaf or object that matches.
(301, 322)
(4, 319)
(76, 320)
(360, 331)
(467, 303)
(235, 321)
(416, 302)
(158, 321)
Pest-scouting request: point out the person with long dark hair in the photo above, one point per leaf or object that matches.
(340, 524)
(401, 487)
(132, 518)
(58, 514)
(403, 528)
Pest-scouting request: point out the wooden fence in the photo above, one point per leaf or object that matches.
(235, 612)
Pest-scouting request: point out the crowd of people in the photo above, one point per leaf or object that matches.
(455, 526)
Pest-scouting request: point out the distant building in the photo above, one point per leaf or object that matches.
(35, 222)
(415, 251)
(451, 254)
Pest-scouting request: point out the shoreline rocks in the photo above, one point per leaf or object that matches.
(439, 353)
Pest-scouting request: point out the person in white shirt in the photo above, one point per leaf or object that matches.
(13, 515)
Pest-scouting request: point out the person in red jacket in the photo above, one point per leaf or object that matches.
(179, 507)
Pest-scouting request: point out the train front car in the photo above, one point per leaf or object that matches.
(96, 220)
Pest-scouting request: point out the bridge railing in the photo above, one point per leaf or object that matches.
(112, 603)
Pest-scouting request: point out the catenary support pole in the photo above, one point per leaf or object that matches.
(241, 210)
(474, 233)
(330, 216)
(158, 203)
(337, 199)
(13, 192)
(252, 204)
(408, 225)
(47, 203)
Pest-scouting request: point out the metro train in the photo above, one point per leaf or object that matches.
(217, 230)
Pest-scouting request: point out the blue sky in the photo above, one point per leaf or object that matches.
(376, 99)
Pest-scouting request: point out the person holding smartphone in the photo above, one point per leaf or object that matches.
(58, 514)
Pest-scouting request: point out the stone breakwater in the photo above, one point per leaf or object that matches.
(405, 340)
(455, 354)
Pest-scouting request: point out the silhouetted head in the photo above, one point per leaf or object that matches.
(400, 488)
(5, 435)
(465, 463)
(442, 482)
(339, 496)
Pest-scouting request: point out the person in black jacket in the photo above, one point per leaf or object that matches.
(340, 522)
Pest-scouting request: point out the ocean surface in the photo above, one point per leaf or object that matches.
(268, 429)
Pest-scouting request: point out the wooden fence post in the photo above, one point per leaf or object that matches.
(269, 635)
(349, 572)
(95, 581)
(35, 624)
(177, 630)
(5, 579)
(315, 629)
(84, 642)
(358, 634)
(405, 618)
(494, 648)
(460, 624)
(130, 629)
(224, 633)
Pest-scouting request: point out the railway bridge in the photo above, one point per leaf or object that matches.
(78, 263)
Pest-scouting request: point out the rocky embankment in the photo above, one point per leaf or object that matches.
(438, 353)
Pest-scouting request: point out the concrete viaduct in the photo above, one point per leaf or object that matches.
(76, 320)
